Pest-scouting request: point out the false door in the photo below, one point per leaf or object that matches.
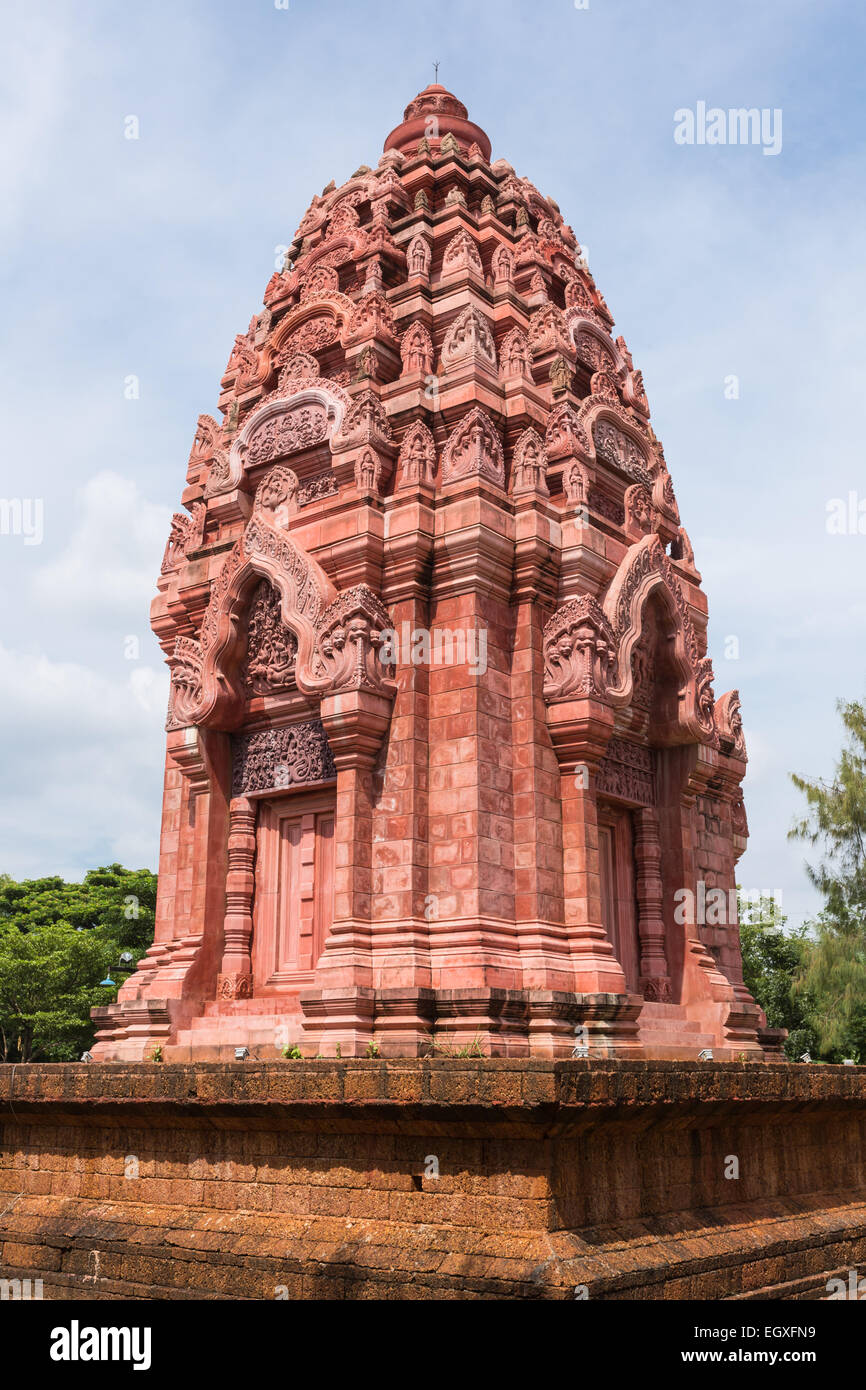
(618, 901)
(294, 896)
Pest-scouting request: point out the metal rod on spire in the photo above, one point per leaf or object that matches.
(436, 72)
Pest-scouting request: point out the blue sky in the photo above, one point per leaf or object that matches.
(147, 256)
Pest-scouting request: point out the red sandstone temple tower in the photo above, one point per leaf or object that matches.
(444, 762)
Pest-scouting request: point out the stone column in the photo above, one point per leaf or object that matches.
(235, 979)
(654, 980)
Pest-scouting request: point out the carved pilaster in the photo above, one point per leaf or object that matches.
(235, 979)
(654, 981)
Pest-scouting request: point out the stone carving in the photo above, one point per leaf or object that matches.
(243, 361)
(606, 506)
(642, 674)
(418, 257)
(529, 464)
(204, 443)
(515, 353)
(704, 697)
(319, 282)
(575, 485)
(416, 350)
(296, 755)
(461, 253)
(474, 449)
(548, 331)
(503, 265)
(626, 772)
(617, 448)
(365, 423)
(260, 539)
(368, 473)
(417, 458)
(565, 436)
(371, 318)
(603, 386)
(186, 534)
(313, 489)
(664, 500)
(348, 643)
(276, 495)
(579, 651)
(729, 724)
(219, 478)
(638, 511)
(185, 664)
(300, 428)
(271, 647)
(296, 366)
(470, 337)
(559, 375)
(313, 335)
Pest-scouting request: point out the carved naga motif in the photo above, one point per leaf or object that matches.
(579, 651)
(729, 724)
(185, 664)
(348, 642)
(186, 534)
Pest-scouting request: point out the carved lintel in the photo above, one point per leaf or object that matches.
(274, 759)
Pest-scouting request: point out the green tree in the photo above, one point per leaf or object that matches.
(834, 967)
(58, 941)
(772, 964)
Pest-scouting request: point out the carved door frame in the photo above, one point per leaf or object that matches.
(295, 855)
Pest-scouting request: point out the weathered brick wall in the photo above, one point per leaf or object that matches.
(317, 1178)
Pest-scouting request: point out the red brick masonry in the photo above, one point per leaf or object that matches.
(311, 1179)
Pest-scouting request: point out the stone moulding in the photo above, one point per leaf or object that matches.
(613, 1152)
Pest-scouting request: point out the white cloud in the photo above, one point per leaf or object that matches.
(82, 757)
(110, 560)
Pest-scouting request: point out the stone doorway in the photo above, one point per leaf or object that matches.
(294, 893)
(618, 899)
